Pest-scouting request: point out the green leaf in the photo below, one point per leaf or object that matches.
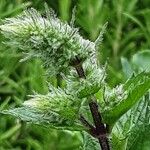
(56, 109)
(118, 143)
(56, 101)
(134, 19)
(138, 22)
(141, 60)
(135, 87)
(47, 119)
(127, 68)
(89, 143)
(64, 7)
(139, 137)
(9, 133)
(132, 130)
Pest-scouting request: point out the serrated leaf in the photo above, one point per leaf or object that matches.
(47, 119)
(56, 109)
(135, 87)
(139, 137)
(133, 129)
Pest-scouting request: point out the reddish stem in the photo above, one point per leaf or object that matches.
(99, 131)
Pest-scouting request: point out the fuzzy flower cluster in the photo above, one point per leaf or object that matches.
(81, 87)
(55, 42)
(56, 101)
(114, 96)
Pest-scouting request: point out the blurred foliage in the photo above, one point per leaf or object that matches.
(127, 33)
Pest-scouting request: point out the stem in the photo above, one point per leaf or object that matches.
(78, 66)
(100, 131)
(59, 80)
(91, 128)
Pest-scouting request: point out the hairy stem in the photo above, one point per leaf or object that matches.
(100, 131)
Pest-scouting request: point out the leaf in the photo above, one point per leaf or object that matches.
(141, 60)
(100, 37)
(127, 68)
(118, 143)
(89, 143)
(135, 87)
(9, 133)
(56, 109)
(56, 101)
(133, 129)
(135, 20)
(48, 119)
(9, 11)
(139, 137)
(64, 7)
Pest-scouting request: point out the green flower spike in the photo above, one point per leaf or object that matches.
(55, 42)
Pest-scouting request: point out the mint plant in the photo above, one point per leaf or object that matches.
(86, 103)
